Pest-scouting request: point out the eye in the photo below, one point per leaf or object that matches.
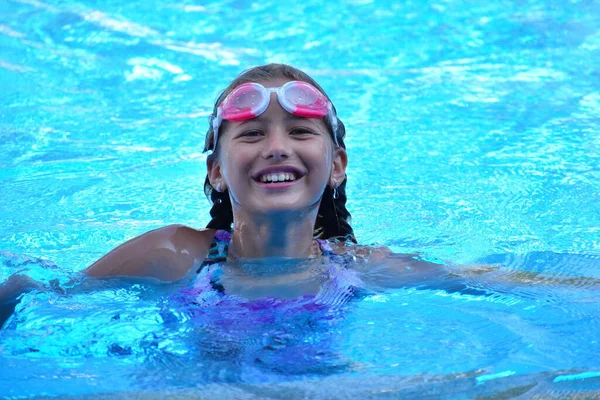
(251, 133)
(301, 131)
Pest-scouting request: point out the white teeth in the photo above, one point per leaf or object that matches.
(278, 177)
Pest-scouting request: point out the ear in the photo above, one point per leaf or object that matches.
(338, 170)
(215, 177)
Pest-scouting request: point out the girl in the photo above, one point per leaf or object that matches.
(276, 178)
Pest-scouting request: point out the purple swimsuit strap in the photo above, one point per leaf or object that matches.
(325, 247)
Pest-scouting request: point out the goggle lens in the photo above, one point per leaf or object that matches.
(243, 103)
(300, 95)
(305, 100)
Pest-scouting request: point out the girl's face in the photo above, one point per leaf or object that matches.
(277, 161)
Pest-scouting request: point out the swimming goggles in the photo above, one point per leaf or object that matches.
(249, 100)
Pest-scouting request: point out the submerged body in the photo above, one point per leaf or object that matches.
(178, 252)
(256, 280)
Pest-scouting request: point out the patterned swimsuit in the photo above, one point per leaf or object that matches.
(339, 283)
(264, 335)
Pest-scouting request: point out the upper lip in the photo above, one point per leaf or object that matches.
(278, 168)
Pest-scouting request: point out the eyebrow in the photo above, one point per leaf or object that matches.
(287, 118)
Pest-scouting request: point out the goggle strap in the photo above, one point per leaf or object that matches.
(216, 123)
(334, 125)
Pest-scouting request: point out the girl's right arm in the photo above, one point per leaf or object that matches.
(11, 290)
(166, 254)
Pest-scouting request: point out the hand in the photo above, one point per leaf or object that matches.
(10, 291)
(16, 285)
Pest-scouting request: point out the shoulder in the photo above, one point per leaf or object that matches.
(384, 268)
(182, 240)
(189, 237)
(361, 252)
(179, 238)
(366, 255)
(165, 253)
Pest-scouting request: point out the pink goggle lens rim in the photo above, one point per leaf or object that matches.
(247, 101)
(303, 99)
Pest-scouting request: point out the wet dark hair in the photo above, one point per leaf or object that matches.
(333, 219)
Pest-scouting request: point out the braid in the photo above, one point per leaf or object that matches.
(221, 211)
(333, 219)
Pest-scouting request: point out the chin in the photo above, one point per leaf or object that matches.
(282, 206)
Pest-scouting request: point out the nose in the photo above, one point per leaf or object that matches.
(277, 145)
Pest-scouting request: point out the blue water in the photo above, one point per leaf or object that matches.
(472, 138)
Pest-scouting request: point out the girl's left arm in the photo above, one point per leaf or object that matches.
(386, 269)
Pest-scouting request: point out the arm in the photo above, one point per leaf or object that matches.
(11, 290)
(166, 254)
(386, 269)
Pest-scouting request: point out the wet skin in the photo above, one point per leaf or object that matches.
(275, 219)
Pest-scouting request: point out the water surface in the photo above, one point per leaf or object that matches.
(472, 138)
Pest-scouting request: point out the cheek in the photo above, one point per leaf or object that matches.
(234, 163)
(326, 155)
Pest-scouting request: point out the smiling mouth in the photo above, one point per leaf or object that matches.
(275, 177)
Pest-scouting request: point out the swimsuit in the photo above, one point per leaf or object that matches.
(290, 336)
(339, 283)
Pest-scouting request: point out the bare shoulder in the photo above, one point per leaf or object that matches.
(367, 254)
(373, 257)
(382, 267)
(165, 253)
(178, 238)
(196, 240)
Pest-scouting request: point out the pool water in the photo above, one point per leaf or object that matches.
(472, 138)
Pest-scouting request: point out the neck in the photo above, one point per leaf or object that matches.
(276, 234)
